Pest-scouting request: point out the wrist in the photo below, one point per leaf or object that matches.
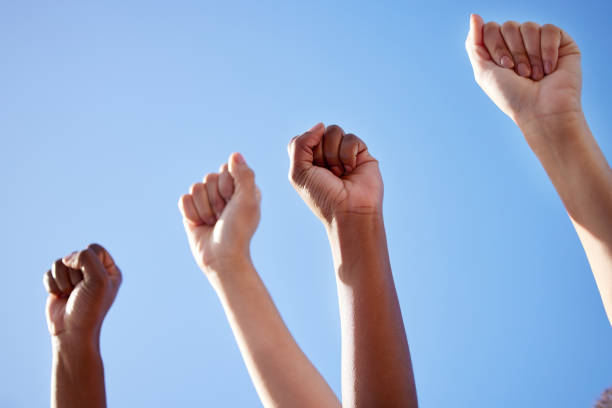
(342, 220)
(554, 131)
(77, 345)
(358, 244)
(227, 270)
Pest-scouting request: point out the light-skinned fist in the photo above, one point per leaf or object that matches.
(531, 72)
(335, 174)
(221, 215)
(82, 287)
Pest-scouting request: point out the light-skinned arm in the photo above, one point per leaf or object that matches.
(533, 74)
(82, 287)
(220, 216)
(341, 183)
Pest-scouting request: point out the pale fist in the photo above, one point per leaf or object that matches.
(82, 287)
(531, 72)
(221, 215)
(334, 173)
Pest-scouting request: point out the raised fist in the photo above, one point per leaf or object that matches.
(334, 173)
(82, 287)
(221, 215)
(531, 72)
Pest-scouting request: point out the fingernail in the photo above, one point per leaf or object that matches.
(523, 70)
(507, 62)
(537, 73)
(315, 127)
(547, 67)
(239, 159)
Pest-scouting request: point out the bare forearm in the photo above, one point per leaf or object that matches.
(77, 378)
(376, 366)
(281, 373)
(582, 177)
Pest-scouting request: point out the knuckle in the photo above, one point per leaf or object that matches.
(334, 128)
(210, 177)
(510, 25)
(83, 256)
(354, 139)
(530, 26)
(97, 248)
(490, 27)
(195, 187)
(550, 27)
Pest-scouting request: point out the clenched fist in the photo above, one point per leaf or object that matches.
(531, 72)
(82, 287)
(221, 215)
(334, 173)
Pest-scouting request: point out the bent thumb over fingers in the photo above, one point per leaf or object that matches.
(88, 262)
(243, 175)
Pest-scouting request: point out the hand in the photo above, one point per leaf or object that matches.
(334, 173)
(82, 287)
(532, 73)
(221, 214)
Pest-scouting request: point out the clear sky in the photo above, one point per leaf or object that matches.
(110, 110)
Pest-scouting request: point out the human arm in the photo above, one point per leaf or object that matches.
(81, 287)
(220, 216)
(340, 181)
(548, 110)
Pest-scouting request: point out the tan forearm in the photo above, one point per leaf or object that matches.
(77, 378)
(281, 373)
(376, 365)
(582, 177)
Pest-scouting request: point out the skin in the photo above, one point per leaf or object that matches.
(341, 183)
(548, 110)
(220, 216)
(82, 287)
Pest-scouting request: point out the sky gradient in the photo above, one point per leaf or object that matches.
(109, 111)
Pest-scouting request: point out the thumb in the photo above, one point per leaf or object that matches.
(474, 43)
(301, 150)
(301, 147)
(243, 175)
(474, 37)
(88, 262)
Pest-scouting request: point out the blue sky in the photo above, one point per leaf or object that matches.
(110, 110)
